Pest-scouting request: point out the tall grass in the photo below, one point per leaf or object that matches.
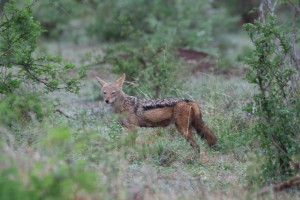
(89, 156)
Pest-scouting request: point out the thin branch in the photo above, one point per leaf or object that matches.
(59, 6)
(296, 165)
(262, 19)
(33, 76)
(272, 7)
(295, 180)
(281, 53)
(62, 113)
(261, 11)
(297, 7)
(33, 2)
(294, 55)
(13, 42)
(178, 179)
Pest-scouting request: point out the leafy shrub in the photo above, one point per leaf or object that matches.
(275, 106)
(11, 187)
(19, 33)
(26, 75)
(54, 175)
(20, 108)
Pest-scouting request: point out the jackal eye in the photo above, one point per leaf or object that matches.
(113, 93)
(104, 92)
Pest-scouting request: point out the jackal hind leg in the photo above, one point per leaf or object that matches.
(187, 133)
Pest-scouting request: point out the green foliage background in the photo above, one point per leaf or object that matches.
(58, 142)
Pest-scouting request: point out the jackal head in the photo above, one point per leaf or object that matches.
(112, 91)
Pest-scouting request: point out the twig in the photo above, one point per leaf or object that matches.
(179, 179)
(295, 164)
(261, 11)
(297, 8)
(62, 113)
(39, 80)
(295, 180)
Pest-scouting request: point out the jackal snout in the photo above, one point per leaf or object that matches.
(109, 97)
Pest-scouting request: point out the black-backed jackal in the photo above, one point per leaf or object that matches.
(184, 113)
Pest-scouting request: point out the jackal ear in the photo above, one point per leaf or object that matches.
(121, 80)
(102, 82)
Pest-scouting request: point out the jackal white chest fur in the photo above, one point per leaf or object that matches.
(185, 114)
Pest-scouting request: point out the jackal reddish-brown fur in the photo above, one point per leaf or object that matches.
(184, 113)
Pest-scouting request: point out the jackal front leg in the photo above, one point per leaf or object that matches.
(129, 130)
(125, 123)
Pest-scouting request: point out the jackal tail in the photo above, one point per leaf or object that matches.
(202, 129)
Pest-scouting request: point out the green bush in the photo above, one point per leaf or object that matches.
(53, 174)
(21, 108)
(275, 105)
(20, 64)
(10, 185)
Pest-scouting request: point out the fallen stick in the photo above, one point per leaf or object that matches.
(295, 180)
(62, 113)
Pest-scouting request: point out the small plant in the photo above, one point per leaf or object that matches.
(163, 156)
(115, 130)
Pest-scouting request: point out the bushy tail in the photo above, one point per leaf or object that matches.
(201, 128)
